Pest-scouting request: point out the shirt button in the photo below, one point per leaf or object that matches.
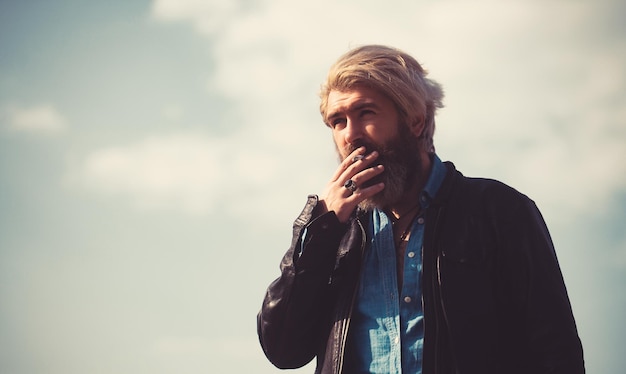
(420, 220)
(411, 254)
(407, 299)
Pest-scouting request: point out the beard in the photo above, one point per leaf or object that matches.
(402, 160)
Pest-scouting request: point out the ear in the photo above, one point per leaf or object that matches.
(417, 127)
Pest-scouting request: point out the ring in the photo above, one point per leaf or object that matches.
(350, 185)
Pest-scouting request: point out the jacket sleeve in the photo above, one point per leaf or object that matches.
(532, 281)
(290, 324)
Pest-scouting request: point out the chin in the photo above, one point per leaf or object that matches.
(383, 199)
(368, 205)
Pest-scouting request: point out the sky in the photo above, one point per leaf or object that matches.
(153, 155)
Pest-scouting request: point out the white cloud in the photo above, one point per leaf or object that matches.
(207, 16)
(192, 172)
(44, 118)
(176, 171)
(534, 102)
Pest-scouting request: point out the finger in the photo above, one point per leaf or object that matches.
(345, 164)
(366, 174)
(348, 188)
(359, 180)
(360, 165)
(364, 193)
(344, 206)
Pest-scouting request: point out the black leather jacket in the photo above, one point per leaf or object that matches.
(493, 293)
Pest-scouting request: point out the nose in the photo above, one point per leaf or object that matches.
(353, 133)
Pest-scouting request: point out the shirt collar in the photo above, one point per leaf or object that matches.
(435, 179)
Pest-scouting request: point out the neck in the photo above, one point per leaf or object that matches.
(409, 201)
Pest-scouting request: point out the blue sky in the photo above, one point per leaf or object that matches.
(153, 156)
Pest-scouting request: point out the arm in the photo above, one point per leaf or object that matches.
(534, 283)
(290, 323)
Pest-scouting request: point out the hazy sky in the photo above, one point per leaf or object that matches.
(154, 154)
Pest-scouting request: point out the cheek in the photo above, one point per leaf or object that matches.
(382, 132)
(339, 141)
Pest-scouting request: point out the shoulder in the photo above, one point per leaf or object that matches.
(479, 186)
(477, 194)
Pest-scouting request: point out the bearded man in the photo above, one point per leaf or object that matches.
(404, 265)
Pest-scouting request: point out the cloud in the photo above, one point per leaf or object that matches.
(179, 170)
(207, 16)
(44, 118)
(191, 172)
(534, 102)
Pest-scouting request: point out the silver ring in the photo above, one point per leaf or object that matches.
(350, 185)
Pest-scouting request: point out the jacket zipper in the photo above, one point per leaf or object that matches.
(344, 332)
(436, 290)
(443, 310)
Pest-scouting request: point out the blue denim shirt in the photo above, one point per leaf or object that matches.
(387, 328)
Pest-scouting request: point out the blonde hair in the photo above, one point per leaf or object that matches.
(395, 74)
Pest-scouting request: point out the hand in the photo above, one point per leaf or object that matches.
(341, 200)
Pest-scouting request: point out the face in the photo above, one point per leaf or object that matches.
(360, 115)
(364, 117)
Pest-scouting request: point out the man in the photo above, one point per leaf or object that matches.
(404, 265)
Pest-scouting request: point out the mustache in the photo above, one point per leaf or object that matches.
(351, 147)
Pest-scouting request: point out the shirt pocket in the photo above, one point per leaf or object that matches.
(465, 277)
(464, 252)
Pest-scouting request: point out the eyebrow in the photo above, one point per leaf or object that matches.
(359, 105)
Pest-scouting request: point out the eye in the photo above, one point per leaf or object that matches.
(366, 113)
(337, 122)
